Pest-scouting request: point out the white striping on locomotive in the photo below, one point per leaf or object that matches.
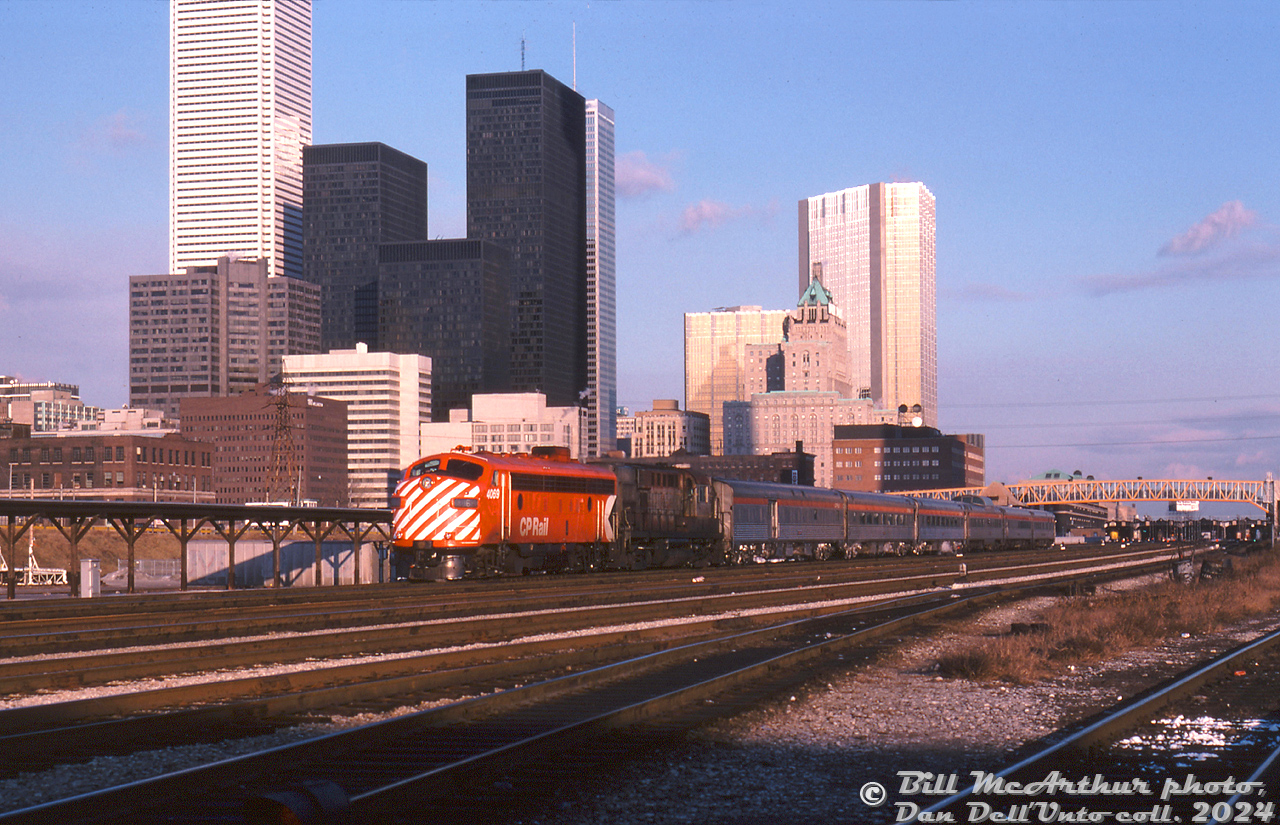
(430, 514)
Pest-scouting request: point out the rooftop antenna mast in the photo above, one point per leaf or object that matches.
(522, 51)
(575, 55)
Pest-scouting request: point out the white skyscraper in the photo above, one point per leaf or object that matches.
(388, 398)
(239, 115)
(602, 311)
(873, 248)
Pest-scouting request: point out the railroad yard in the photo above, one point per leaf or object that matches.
(754, 694)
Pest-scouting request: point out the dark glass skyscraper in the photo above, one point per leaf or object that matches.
(526, 190)
(356, 197)
(449, 300)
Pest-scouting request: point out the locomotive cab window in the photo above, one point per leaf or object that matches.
(425, 467)
(464, 470)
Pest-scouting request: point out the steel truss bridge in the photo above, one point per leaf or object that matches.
(1261, 494)
(130, 520)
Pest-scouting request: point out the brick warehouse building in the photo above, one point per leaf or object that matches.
(242, 430)
(892, 458)
(107, 466)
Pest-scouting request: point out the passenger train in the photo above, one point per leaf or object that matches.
(477, 513)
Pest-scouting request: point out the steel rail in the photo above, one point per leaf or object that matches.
(274, 760)
(1128, 713)
(262, 771)
(292, 685)
(36, 636)
(550, 615)
(135, 663)
(44, 733)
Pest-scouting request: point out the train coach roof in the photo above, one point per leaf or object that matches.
(765, 489)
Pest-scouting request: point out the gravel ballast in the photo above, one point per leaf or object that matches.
(800, 758)
(803, 757)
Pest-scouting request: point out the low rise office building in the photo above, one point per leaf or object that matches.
(110, 466)
(273, 446)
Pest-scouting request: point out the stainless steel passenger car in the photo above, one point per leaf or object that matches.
(776, 521)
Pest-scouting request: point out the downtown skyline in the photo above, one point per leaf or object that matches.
(1107, 239)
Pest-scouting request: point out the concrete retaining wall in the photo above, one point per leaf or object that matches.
(207, 563)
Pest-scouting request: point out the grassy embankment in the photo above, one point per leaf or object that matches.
(1084, 629)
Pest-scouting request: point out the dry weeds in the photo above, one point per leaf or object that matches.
(1085, 629)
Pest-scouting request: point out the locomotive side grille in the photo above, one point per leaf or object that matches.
(429, 514)
(531, 483)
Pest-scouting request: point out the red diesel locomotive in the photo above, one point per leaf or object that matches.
(485, 514)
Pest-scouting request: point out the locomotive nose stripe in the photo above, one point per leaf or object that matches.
(445, 518)
(424, 512)
(419, 503)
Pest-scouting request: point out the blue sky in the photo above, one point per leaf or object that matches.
(1108, 216)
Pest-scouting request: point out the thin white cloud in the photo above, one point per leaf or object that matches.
(706, 213)
(1237, 261)
(111, 135)
(637, 176)
(1227, 222)
(710, 214)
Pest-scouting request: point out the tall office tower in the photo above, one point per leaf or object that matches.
(356, 196)
(602, 292)
(450, 301)
(239, 115)
(526, 190)
(873, 248)
(715, 365)
(388, 399)
(293, 320)
(214, 330)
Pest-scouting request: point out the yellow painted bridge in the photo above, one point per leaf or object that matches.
(1259, 493)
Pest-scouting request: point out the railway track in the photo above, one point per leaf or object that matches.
(424, 625)
(49, 627)
(402, 763)
(643, 685)
(265, 703)
(1203, 747)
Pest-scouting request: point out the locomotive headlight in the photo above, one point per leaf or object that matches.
(466, 503)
